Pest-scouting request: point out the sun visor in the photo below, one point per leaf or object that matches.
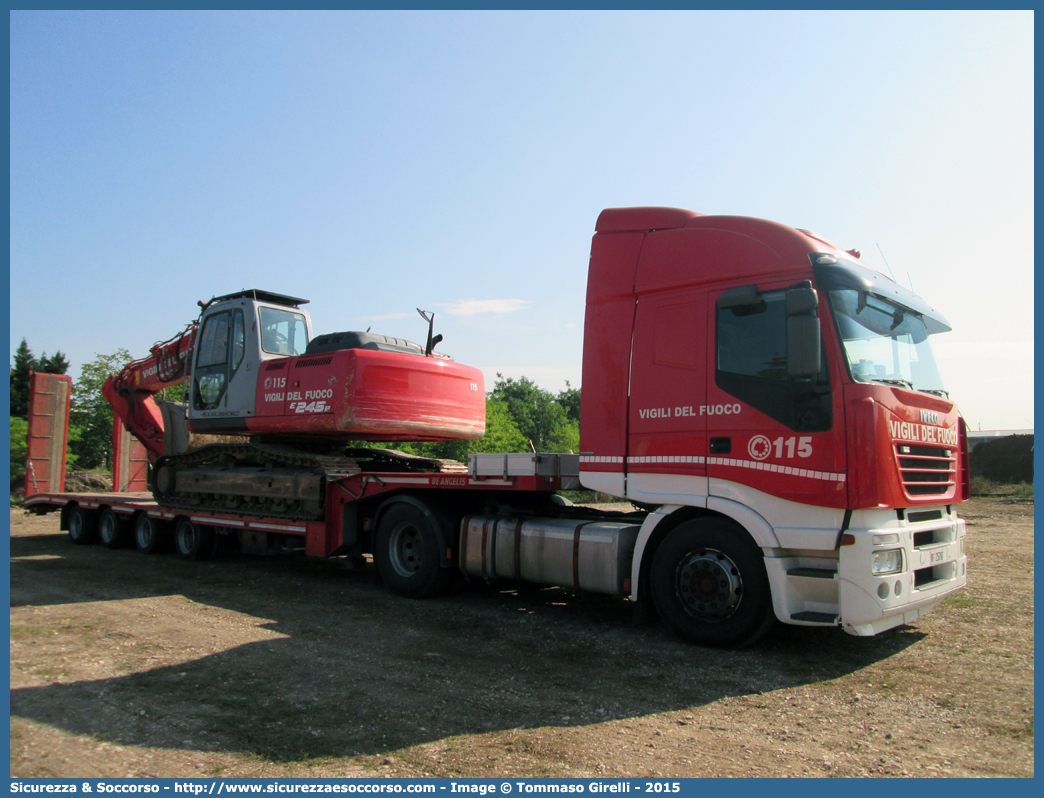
(833, 273)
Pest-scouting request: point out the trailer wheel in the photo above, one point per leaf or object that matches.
(406, 551)
(112, 530)
(151, 535)
(83, 526)
(193, 541)
(709, 584)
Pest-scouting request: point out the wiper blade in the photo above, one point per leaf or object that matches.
(901, 383)
(936, 391)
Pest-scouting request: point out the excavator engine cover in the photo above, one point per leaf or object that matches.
(383, 390)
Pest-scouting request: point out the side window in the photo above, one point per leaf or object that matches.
(213, 346)
(211, 373)
(752, 365)
(283, 332)
(238, 340)
(752, 339)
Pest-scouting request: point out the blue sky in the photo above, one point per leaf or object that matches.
(376, 162)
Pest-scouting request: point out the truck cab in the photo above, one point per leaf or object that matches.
(755, 381)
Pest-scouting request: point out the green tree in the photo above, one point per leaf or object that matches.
(539, 416)
(502, 433)
(568, 438)
(570, 401)
(24, 363)
(55, 364)
(91, 413)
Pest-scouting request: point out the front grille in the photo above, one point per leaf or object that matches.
(933, 537)
(926, 470)
(924, 515)
(925, 577)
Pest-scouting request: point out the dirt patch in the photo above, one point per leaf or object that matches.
(124, 664)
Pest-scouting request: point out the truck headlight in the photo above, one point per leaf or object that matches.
(888, 562)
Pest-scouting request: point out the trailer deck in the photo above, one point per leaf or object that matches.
(514, 473)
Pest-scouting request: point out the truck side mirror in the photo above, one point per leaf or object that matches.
(742, 300)
(803, 333)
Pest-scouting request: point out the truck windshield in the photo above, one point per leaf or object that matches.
(885, 342)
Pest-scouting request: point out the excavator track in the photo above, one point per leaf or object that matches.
(271, 480)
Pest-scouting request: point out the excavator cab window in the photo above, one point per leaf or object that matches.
(213, 346)
(222, 332)
(238, 340)
(211, 373)
(283, 332)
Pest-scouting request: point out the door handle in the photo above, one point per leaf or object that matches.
(720, 445)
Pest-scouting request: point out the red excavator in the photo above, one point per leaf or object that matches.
(254, 369)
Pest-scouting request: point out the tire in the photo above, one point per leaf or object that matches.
(151, 535)
(709, 584)
(193, 541)
(407, 550)
(82, 526)
(113, 531)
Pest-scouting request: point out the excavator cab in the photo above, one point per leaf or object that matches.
(238, 333)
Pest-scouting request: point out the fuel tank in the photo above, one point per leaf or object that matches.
(591, 556)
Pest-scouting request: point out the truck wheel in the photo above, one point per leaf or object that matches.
(112, 530)
(193, 541)
(709, 584)
(407, 553)
(83, 527)
(150, 534)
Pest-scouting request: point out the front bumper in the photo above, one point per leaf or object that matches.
(934, 566)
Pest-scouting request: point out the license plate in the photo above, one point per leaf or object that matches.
(936, 556)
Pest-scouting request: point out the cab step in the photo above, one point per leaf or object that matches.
(826, 618)
(813, 573)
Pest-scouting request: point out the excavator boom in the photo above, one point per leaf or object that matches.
(130, 392)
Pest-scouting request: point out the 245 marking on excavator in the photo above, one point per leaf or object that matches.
(310, 407)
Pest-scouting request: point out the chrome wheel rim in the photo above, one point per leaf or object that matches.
(709, 585)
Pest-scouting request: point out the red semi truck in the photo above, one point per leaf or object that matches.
(770, 404)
